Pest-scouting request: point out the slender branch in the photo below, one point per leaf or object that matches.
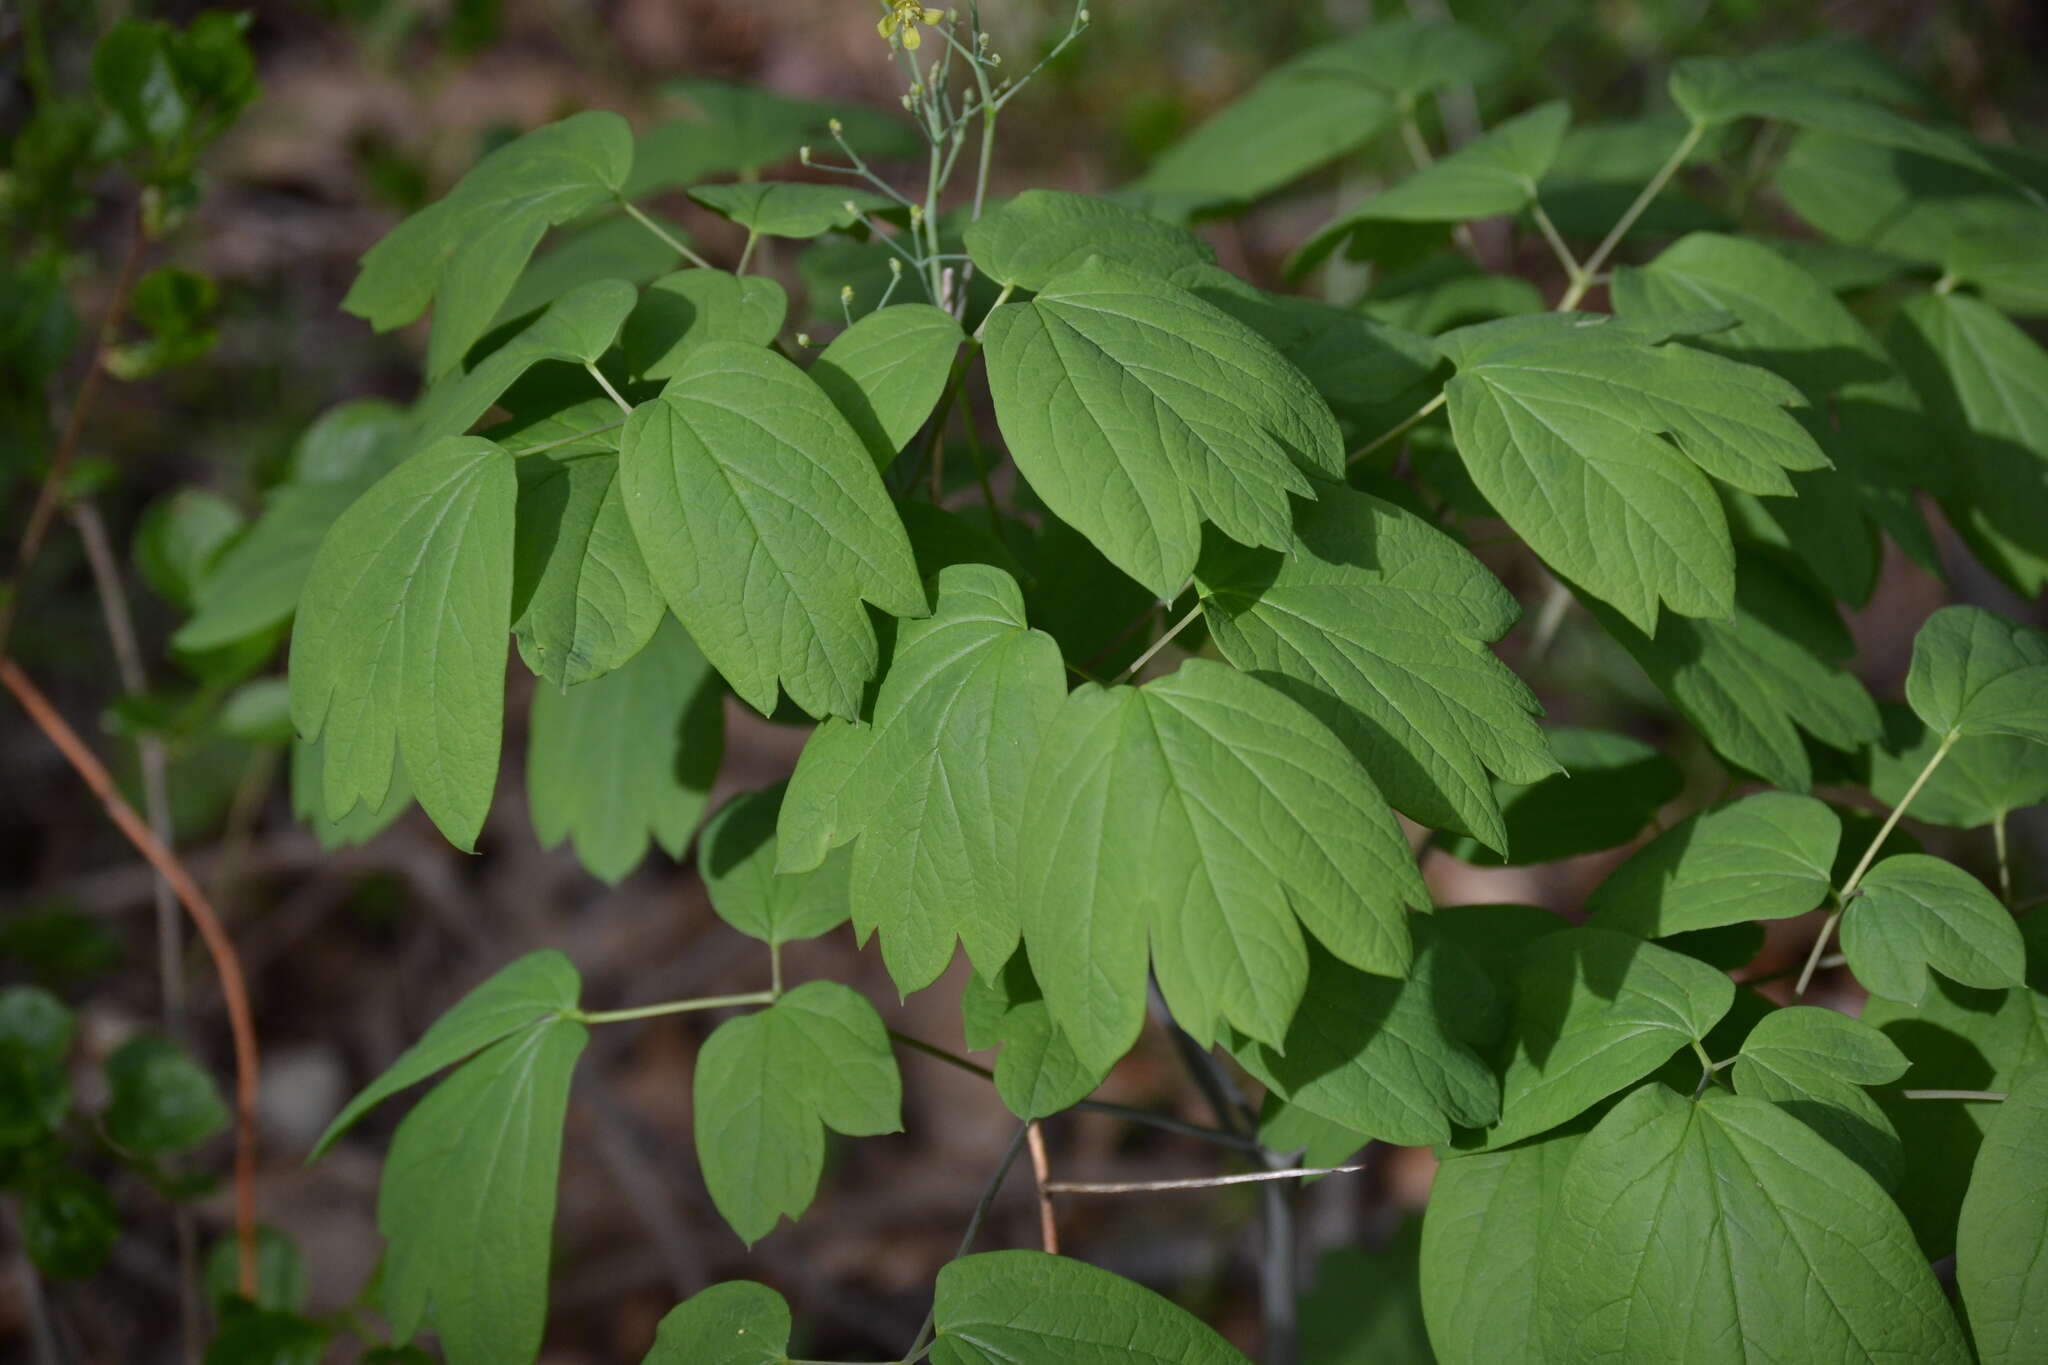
(1204, 1182)
(747, 253)
(703, 1002)
(1001, 299)
(1411, 137)
(1628, 218)
(606, 385)
(1573, 271)
(1406, 425)
(2000, 845)
(229, 967)
(675, 243)
(1986, 1096)
(1161, 643)
(1041, 1170)
(1849, 887)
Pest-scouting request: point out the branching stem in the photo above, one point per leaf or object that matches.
(675, 243)
(1628, 218)
(1407, 425)
(704, 1002)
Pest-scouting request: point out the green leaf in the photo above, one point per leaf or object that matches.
(612, 248)
(399, 650)
(886, 373)
(1324, 104)
(1985, 384)
(1385, 1057)
(1767, 856)
(579, 327)
(1982, 779)
(1719, 90)
(362, 822)
(1611, 786)
(177, 306)
(1042, 235)
(35, 1089)
(1774, 1243)
(1378, 623)
(1750, 684)
(1037, 1073)
(255, 584)
(1482, 1238)
(1137, 411)
(351, 442)
(1860, 409)
(735, 1323)
(180, 537)
(1006, 1306)
(280, 1272)
(680, 312)
(1366, 1307)
(1596, 1011)
(467, 1204)
(1976, 673)
(68, 1225)
(263, 1336)
(777, 208)
(1495, 173)
(1813, 1064)
(2004, 1225)
(957, 724)
(1916, 912)
(1591, 441)
(1204, 814)
(583, 601)
(767, 1086)
(739, 860)
(811, 823)
(1445, 292)
(160, 1100)
(526, 993)
(765, 525)
(629, 758)
(468, 249)
(728, 128)
(37, 1022)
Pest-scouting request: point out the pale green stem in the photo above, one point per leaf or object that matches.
(675, 243)
(1986, 1096)
(1573, 271)
(1161, 643)
(568, 440)
(705, 1002)
(1408, 424)
(606, 385)
(1998, 842)
(1628, 218)
(747, 253)
(1001, 299)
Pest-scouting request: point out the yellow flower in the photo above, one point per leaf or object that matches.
(903, 17)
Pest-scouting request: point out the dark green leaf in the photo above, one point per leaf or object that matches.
(1766, 856)
(1916, 912)
(740, 860)
(1975, 673)
(255, 583)
(1610, 788)
(1999, 1265)
(583, 601)
(1982, 778)
(1044, 234)
(67, 1223)
(160, 1100)
(886, 373)
(735, 1323)
(1037, 1073)
(785, 209)
(1009, 1306)
(280, 1273)
(681, 312)
(1813, 1064)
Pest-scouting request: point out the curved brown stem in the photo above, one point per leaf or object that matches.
(229, 967)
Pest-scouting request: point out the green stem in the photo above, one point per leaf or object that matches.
(606, 385)
(1999, 843)
(1987, 1096)
(675, 244)
(1573, 271)
(1628, 219)
(704, 1002)
(568, 440)
(1162, 642)
(1848, 890)
(747, 253)
(1408, 424)
(1707, 1069)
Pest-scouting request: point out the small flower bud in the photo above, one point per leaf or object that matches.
(836, 127)
(803, 154)
(896, 267)
(803, 341)
(1081, 17)
(846, 293)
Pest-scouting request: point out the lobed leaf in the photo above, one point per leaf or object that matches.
(1813, 1064)
(1975, 673)
(887, 372)
(1042, 235)
(1767, 856)
(1917, 912)
(735, 1323)
(749, 888)
(777, 208)
(1999, 1266)
(1005, 1306)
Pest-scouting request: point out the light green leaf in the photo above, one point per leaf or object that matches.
(1813, 1064)
(1137, 411)
(1767, 856)
(1037, 1073)
(886, 373)
(361, 822)
(2003, 263)
(767, 1086)
(1042, 235)
(1917, 912)
(160, 1100)
(529, 991)
(351, 442)
(1493, 174)
(765, 526)
(1726, 1230)
(1386, 1057)
(583, 601)
(1596, 1011)
(1378, 623)
(729, 128)
(1860, 409)
(1591, 442)
(1203, 813)
(1999, 1265)
(468, 249)
(735, 1323)
(628, 758)
(1482, 1240)
(1611, 786)
(748, 889)
(1327, 102)
(1008, 1306)
(680, 312)
(612, 248)
(957, 723)
(580, 326)
(400, 646)
(1746, 683)
(812, 823)
(776, 208)
(1976, 673)
(467, 1204)
(180, 537)
(280, 1273)
(255, 584)
(1983, 778)
(1985, 384)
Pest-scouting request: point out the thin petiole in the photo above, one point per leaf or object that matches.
(1207, 1182)
(675, 243)
(703, 1002)
(1984, 1096)
(606, 385)
(1573, 271)
(1408, 424)
(1628, 218)
(1162, 642)
(747, 253)
(568, 440)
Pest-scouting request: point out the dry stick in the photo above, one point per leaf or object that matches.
(225, 963)
(1048, 1227)
(1204, 1182)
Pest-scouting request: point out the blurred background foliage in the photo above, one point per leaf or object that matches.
(364, 110)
